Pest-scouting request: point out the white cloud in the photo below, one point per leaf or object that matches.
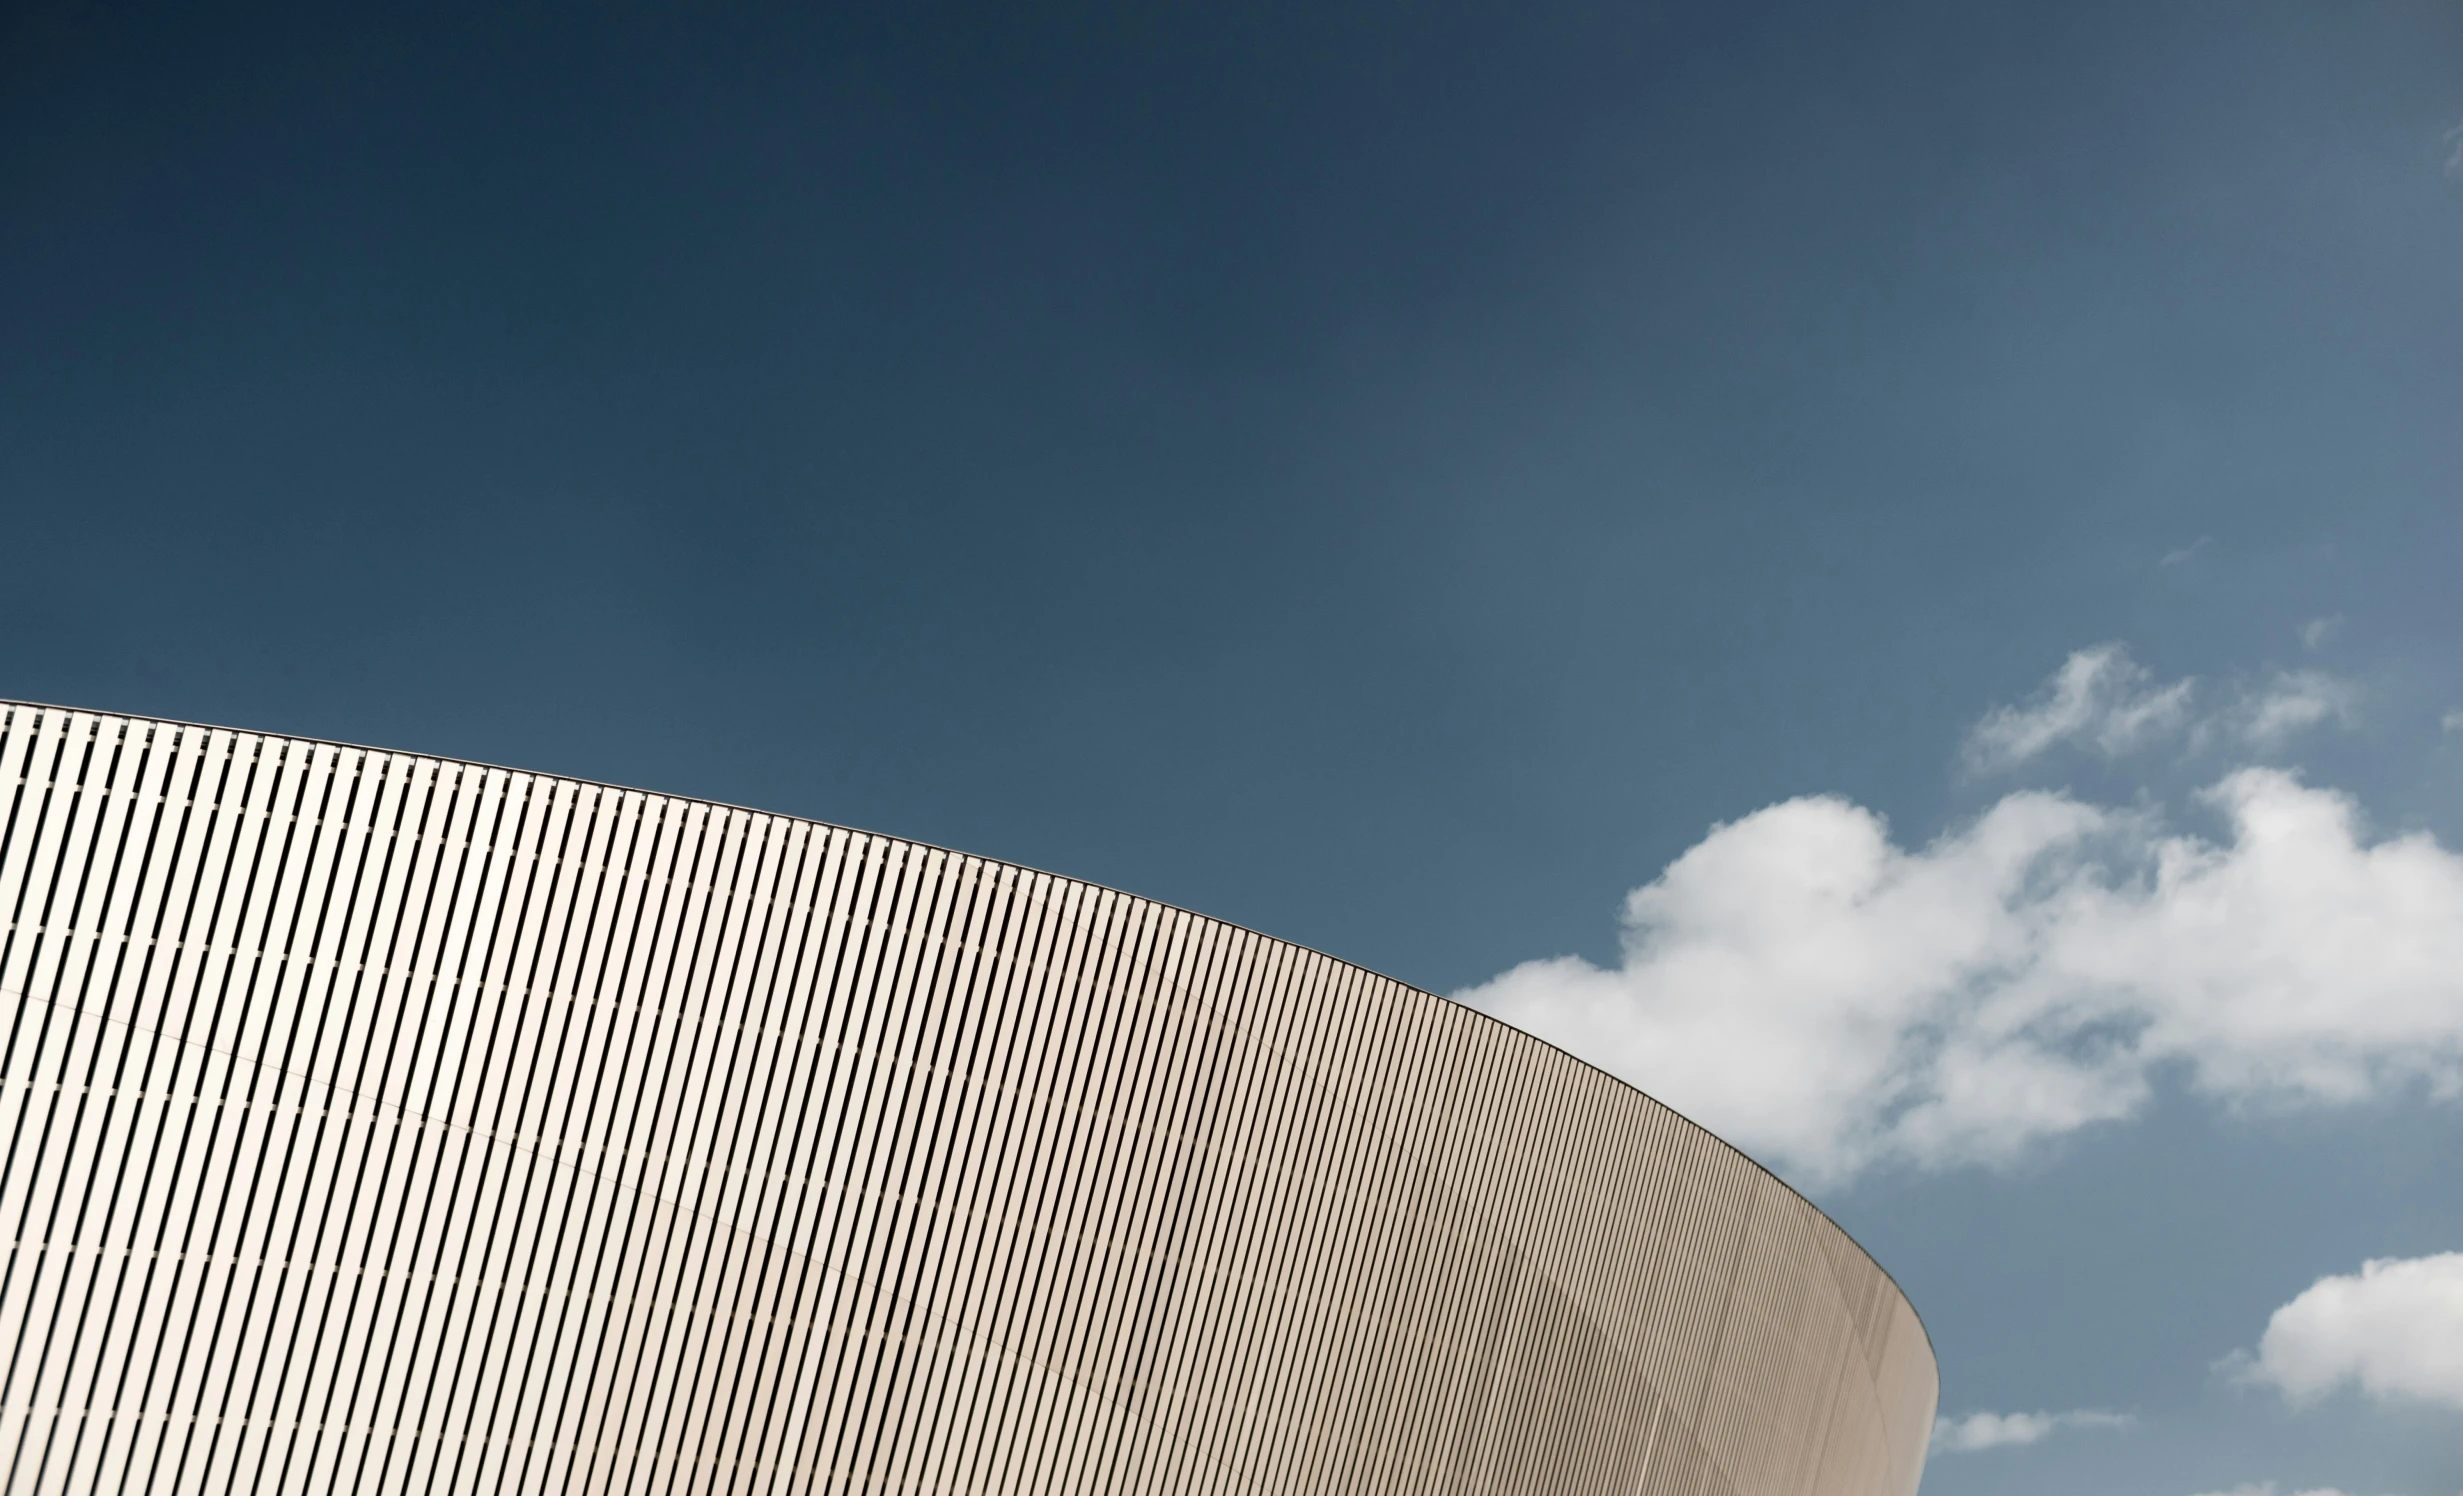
(2318, 631)
(2099, 697)
(1999, 1430)
(2452, 721)
(2267, 1488)
(2188, 552)
(2289, 701)
(2394, 1330)
(1830, 1001)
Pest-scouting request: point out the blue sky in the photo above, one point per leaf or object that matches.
(1405, 478)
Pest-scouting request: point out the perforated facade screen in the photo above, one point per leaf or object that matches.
(380, 1123)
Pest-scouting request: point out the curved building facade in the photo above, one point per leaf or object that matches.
(381, 1123)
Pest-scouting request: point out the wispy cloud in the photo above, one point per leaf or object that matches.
(2000, 1430)
(2394, 1330)
(2100, 697)
(2187, 552)
(2318, 632)
(2267, 1488)
(2288, 701)
(2105, 702)
(1832, 1000)
(2454, 154)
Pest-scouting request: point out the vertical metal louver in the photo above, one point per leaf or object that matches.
(380, 1123)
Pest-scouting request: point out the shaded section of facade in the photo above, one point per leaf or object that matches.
(378, 1122)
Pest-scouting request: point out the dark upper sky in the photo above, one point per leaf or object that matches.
(1391, 475)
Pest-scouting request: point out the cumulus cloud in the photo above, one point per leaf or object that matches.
(2104, 701)
(1830, 1000)
(2394, 1330)
(2000, 1430)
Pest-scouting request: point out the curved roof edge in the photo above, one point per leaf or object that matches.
(1525, 1036)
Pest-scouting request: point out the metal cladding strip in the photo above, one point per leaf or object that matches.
(376, 1123)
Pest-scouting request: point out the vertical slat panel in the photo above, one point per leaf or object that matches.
(376, 1123)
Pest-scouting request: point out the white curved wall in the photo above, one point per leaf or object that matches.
(381, 1123)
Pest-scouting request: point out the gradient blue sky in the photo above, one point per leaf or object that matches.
(1394, 476)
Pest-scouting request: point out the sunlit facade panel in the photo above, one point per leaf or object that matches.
(384, 1123)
